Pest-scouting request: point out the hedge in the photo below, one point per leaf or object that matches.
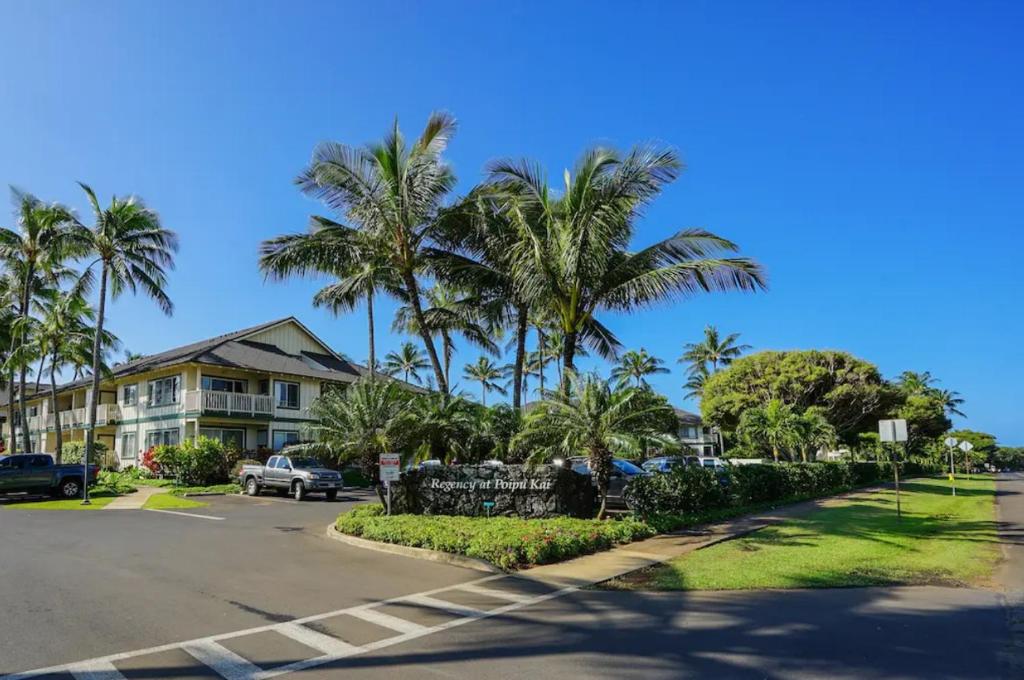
(691, 490)
(506, 542)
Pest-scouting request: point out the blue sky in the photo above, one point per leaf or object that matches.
(870, 155)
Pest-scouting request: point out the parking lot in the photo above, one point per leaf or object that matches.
(105, 582)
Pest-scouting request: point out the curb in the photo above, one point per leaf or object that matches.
(417, 553)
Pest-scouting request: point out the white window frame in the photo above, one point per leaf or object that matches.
(277, 394)
(133, 454)
(163, 433)
(273, 437)
(134, 387)
(158, 386)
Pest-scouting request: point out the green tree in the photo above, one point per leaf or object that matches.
(441, 427)
(572, 251)
(394, 191)
(814, 432)
(133, 251)
(353, 257)
(775, 426)
(408, 361)
(488, 374)
(713, 350)
(596, 421)
(638, 366)
(695, 381)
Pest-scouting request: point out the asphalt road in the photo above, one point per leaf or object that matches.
(75, 586)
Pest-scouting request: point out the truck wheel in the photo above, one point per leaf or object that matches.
(299, 491)
(331, 495)
(252, 488)
(69, 488)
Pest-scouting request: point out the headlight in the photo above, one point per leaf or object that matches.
(313, 475)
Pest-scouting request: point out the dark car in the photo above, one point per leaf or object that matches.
(663, 464)
(36, 473)
(622, 472)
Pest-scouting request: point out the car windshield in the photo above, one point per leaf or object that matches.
(306, 463)
(627, 467)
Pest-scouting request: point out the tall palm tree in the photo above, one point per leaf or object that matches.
(914, 382)
(449, 313)
(951, 402)
(695, 379)
(37, 249)
(596, 421)
(488, 374)
(394, 191)
(573, 250)
(8, 316)
(350, 255)
(637, 366)
(813, 431)
(775, 426)
(133, 251)
(713, 350)
(408, 360)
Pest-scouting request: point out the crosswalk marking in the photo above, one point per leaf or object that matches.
(96, 670)
(451, 607)
(331, 646)
(387, 620)
(228, 665)
(494, 593)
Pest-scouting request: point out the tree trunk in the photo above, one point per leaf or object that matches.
(10, 411)
(26, 299)
(90, 433)
(448, 347)
(370, 335)
(483, 394)
(803, 453)
(568, 357)
(39, 376)
(59, 436)
(542, 354)
(421, 327)
(517, 371)
(775, 453)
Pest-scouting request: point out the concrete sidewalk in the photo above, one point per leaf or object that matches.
(135, 501)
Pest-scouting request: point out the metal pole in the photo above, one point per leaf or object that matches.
(896, 476)
(387, 485)
(952, 471)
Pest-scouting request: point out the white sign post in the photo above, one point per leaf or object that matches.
(951, 443)
(967, 447)
(390, 471)
(894, 431)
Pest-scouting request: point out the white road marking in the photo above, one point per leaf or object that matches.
(228, 665)
(443, 605)
(96, 670)
(386, 620)
(494, 593)
(184, 514)
(317, 640)
(234, 667)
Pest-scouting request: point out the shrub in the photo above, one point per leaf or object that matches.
(201, 462)
(114, 482)
(236, 469)
(685, 490)
(149, 462)
(507, 542)
(73, 452)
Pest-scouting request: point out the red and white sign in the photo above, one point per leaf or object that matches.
(390, 467)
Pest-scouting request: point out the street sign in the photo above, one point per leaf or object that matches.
(390, 467)
(892, 430)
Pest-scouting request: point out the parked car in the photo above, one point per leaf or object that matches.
(622, 472)
(663, 464)
(36, 473)
(296, 475)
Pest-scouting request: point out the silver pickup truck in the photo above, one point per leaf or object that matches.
(294, 475)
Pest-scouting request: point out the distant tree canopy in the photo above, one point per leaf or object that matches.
(850, 391)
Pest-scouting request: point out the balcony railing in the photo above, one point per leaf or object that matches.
(76, 418)
(229, 403)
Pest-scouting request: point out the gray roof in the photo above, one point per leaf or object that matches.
(231, 350)
(686, 417)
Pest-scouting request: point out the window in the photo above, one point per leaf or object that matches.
(287, 395)
(168, 437)
(128, 451)
(262, 441)
(13, 463)
(33, 411)
(164, 391)
(264, 386)
(216, 384)
(39, 461)
(130, 395)
(227, 437)
(283, 438)
(283, 463)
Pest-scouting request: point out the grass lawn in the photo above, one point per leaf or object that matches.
(940, 540)
(166, 501)
(99, 501)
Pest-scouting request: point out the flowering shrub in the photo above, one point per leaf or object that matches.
(150, 462)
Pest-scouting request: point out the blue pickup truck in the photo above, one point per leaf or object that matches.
(36, 473)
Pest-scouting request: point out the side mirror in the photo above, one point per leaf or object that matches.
(288, 468)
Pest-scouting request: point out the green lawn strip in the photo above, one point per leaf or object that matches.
(97, 502)
(166, 501)
(506, 542)
(152, 481)
(860, 542)
(212, 489)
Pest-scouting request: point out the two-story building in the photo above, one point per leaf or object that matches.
(693, 433)
(251, 389)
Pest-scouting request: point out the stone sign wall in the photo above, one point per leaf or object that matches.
(510, 490)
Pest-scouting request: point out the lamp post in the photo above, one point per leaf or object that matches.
(966, 447)
(951, 443)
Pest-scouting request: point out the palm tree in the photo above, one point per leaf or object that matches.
(573, 249)
(130, 356)
(352, 256)
(485, 372)
(408, 360)
(8, 316)
(813, 431)
(695, 380)
(916, 383)
(37, 250)
(951, 402)
(596, 421)
(712, 350)
(359, 424)
(393, 191)
(442, 427)
(774, 426)
(637, 366)
(134, 251)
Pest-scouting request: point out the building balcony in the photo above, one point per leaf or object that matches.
(229, 403)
